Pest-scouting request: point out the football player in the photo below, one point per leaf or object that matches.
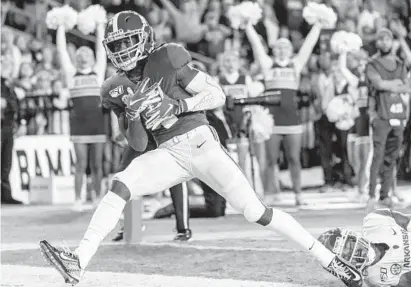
(381, 253)
(169, 99)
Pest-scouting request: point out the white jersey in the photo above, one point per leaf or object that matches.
(390, 231)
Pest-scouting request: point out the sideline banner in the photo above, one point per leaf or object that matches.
(40, 156)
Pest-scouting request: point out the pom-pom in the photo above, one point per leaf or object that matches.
(85, 23)
(319, 13)
(342, 112)
(61, 16)
(343, 41)
(242, 14)
(89, 18)
(262, 123)
(98, 13)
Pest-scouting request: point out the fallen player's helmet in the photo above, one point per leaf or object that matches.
(349, 247)
(128, 39)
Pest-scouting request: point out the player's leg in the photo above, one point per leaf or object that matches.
(96, 166)
(179, 196)
(212, 164)
(152, 172)
(126, 158)
(81, 151)
(292, 145)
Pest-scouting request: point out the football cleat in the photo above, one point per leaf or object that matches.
(119, 236)
(183, 236)
(347, 274)
(64, 261)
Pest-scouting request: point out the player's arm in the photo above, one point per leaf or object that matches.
(307, 48)
(205, 91)
(68, 68)
(101, 57)
(395, 86)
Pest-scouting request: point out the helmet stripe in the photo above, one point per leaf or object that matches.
(115, 22)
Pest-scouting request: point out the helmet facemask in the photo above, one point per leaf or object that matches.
(353, 249)
(127, 58)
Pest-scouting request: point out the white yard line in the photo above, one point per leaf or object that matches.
(165, 240)
(21, 275)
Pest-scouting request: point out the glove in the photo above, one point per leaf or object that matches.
(137, 101)
(160, 111)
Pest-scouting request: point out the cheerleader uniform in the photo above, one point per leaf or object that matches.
(86, 115)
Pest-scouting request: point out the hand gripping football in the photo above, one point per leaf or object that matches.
(137, 101)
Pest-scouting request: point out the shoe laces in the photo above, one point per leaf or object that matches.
(66, 250)
(341, 271)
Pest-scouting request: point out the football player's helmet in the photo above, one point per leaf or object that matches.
(128, 39)
(349, 247)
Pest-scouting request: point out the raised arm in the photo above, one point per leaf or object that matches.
(301, 59)
(101, 57)
(350, 77)
(406, 49)
(171, 8)
(68, 68)
(260, 55)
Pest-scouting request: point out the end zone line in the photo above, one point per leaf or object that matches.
(34, 246)
(21, 275)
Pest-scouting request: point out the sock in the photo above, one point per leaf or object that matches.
(104, 220)
(288, 226)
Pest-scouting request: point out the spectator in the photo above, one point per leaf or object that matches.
(47, 63)
(388, 114)
(366, 20)
(325, 91)
(61, 105)
(215, 35)
(189, 14)
(22, 44)
(84, 79)
(159, 20)
(9, 50)
(281, 77)
(9, 108)
(353, 69)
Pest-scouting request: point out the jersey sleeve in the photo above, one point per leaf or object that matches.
(379, 221)
(180, 58)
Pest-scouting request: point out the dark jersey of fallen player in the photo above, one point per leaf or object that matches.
(165, 63)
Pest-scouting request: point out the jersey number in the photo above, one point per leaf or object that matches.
(396, 108)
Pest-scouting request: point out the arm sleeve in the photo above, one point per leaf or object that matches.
(205, 91)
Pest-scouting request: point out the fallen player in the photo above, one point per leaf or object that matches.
(381, 253)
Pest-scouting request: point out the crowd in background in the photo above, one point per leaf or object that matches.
(44, 101)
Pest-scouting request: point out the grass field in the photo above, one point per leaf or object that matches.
(225, 252)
